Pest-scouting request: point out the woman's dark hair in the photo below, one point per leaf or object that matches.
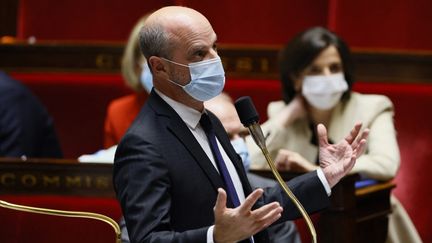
(300, 51)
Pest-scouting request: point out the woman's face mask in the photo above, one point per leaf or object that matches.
(146, 77)
(241, 148)
(324, 91)
(207, 79)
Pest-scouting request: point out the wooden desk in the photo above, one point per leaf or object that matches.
(355, 215)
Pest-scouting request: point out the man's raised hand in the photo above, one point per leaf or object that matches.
(236, 224)
(337, 160)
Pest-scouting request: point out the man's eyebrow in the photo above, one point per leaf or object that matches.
(195, 49)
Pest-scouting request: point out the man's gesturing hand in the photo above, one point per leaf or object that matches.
(336, 160)
(236, 224)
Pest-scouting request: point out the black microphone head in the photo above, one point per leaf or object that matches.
(246, 111)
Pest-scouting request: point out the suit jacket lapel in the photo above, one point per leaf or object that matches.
(183, 134)
(232, 154)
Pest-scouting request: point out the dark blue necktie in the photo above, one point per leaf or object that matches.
(220, 163)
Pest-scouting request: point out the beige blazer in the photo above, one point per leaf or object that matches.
(381, 158)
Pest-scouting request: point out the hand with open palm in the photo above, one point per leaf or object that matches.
(236, 224)
(336, 160)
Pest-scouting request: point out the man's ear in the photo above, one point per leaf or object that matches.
(157, 65)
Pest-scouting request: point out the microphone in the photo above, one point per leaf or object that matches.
(249, 118)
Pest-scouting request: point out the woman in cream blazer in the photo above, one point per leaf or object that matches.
(317, 78)
(381, 158)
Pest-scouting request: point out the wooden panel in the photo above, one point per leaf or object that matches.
(391, 66)
(250, 62)
(55, 177)
(61, 57)
(256, 62)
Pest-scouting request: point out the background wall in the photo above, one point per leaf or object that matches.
(106, 20)
(397, 27)
(395, 24)
(400, 24)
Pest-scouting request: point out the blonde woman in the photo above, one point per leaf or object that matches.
(122, 111)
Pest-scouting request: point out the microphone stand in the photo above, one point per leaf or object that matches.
(257, 135)
(64, 213)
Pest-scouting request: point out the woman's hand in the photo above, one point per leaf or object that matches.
(287, 160)
(292, 111)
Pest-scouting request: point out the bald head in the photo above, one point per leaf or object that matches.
(166, 26)
(176, 16)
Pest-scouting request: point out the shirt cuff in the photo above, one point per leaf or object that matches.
(210, 234)
(323, 180)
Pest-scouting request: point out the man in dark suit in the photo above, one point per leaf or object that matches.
(26, 129)
(176, 174)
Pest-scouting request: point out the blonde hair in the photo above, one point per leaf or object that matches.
(132, 58)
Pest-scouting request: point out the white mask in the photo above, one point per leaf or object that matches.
(207, 79)
(146, 77)
(324, 91)
(241, 148)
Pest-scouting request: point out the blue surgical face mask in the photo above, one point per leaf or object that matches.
(146, 77)
(207, 79)
(241, 148)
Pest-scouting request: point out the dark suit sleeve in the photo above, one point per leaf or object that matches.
(25, 125)
(10, 130)
(309, 191)
(146, 201)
